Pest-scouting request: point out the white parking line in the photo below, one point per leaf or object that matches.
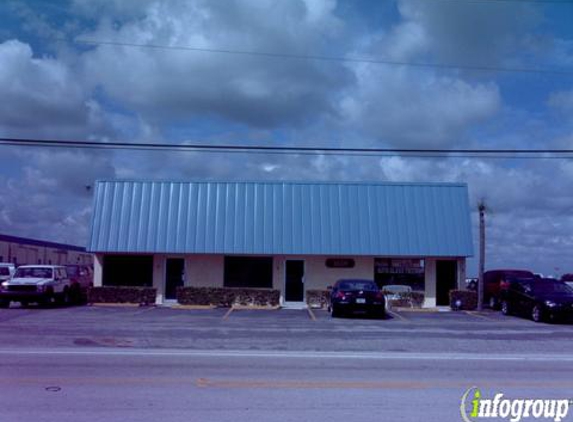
(292, 354)
(396, 315)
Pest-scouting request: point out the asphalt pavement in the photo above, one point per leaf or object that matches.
(147, 364)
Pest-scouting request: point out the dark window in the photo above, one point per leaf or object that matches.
(128, 270)
(249, 271)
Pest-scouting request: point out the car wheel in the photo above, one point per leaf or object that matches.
(537, 314)
(505, 308)
(380, 314)
(4, 303)
(49, 299)
(75, 294)
(64, 297)
(334, 312)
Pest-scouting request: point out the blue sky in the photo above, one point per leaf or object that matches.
(55, 86)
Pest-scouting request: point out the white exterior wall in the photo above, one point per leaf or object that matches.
(159, 277)
(462, 274)
(430, 283)
(208, 271)
(98, 270)
(204, 270)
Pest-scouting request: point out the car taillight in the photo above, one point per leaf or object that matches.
(340, 295)
(380, 296)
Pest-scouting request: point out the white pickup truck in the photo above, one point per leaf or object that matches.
(43, 284)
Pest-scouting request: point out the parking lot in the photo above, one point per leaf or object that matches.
(298, 330)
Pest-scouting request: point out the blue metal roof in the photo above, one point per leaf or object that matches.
(376, 219)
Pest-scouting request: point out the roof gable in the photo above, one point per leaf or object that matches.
(378, 219)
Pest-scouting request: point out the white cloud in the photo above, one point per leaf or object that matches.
(174, 85)
(40, 92)
(411, 108)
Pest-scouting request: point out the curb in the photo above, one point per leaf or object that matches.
(120, 305)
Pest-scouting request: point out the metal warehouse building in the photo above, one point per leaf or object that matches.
(22, 251)
(290, 236)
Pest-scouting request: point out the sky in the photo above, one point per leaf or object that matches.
(495, 74)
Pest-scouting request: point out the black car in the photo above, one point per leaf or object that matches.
(350, 296)
(539, 298)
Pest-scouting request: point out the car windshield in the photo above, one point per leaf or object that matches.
(551, 286)
(358, 285)
(397, 288)
(33, 273)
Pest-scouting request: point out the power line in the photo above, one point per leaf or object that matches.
(299, 150)
(293, 56)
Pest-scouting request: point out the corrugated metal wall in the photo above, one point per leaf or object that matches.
(379, 219)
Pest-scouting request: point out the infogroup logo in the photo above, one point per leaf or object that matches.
(474, 407)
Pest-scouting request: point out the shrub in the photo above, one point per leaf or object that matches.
(467, 299)
(226, 297)
(122, 294)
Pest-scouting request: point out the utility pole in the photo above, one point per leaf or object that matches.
(481, 209)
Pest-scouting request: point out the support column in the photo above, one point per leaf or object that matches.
(462, 274)
(279, 275)
(98, 270)
(430, 283)
(159, 277)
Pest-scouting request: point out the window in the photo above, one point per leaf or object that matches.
(403, 272)
(241, 271)
(128, 270)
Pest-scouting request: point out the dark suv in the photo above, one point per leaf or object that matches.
(540, 298)
(495, 280)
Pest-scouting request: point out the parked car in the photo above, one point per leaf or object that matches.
(81, 277)
(396, 291)
(568, 279)
(471, 283)
(495, 280)
(7, 270)
(44, 284)
(350, 296)
(539, 298)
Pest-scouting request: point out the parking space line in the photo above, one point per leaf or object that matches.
(396, 315)
(311, 314)
(479, 316)
(145, 310)
(231, 309)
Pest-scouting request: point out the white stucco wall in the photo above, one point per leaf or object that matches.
(430, 283)
(205, 270)
(208, 271)
(98, 270)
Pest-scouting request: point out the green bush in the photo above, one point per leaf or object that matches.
(122, 294)
(225, 297)
(467, 299)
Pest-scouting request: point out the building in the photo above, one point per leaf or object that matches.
(23, 251)
(290, 236)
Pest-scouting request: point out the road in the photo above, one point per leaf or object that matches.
(163, 365)
(71, 385)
